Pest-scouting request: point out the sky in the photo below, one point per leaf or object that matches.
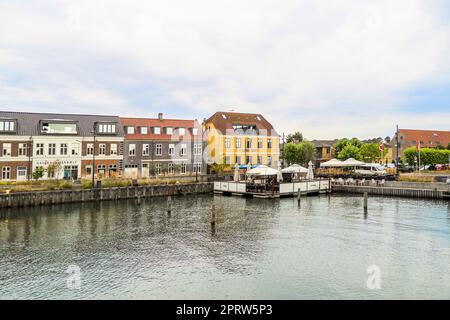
(329, 69)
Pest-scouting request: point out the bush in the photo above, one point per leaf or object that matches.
(428, 156)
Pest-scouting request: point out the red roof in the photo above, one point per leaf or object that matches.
(155, 122)
(429, 138)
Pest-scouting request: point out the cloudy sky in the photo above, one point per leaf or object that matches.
(327, 68)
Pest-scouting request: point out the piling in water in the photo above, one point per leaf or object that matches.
(169, 204)
(213, 215)
(365, 200)
(298, 196)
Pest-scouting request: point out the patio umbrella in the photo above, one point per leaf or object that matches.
(350, 162)
(236, 173)
(310, 174)
(331, 163)
(263, 170)
(295, 168)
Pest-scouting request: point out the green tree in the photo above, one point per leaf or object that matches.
(370, 152)
(54, 168)
(291, 153)
(297, 137)
(448, 146)
(38, 173)
(342, 143)
(428, 156)
(300, 153)
(350, 151)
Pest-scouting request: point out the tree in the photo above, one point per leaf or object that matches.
(350, 151)
(53, 169)
(342, 143)
(448, 146)
(370, 152)
(300, 153)
(428, 156)
(297, 137)
(38, 173)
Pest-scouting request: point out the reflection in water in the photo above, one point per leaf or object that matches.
(256, 249)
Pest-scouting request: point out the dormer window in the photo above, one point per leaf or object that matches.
(106, 128)
(157, 130)
(169, 130)
(144, 130)
(7, 125)
(194, 131)
(181, 131)
(130, 130)
(58, 127)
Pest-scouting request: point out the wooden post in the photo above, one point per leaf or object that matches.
(169, 204)
(365, 200)
(298, 196)
(213, 215)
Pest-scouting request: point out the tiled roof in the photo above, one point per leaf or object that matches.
(155, 122)
(427, 136)
(28, 122)
(224, 121)
(324, 143)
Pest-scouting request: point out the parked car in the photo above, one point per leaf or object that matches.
(442, 167)
(405, 168)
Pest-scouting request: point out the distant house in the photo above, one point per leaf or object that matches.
(241, 138)
(324, 150)
(42, 140)
(426, 139)
(159, 146)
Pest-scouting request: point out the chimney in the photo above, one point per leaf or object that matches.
(160, 116)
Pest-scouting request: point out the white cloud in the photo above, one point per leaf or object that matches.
(327, 68)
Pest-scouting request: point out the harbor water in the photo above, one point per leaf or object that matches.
(324, 248)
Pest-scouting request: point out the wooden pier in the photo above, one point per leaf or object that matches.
(393, 191)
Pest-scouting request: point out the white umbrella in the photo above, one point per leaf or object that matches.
(236, 173)
(352, 162)
(331, 163)
(295, 168)
(310, 174)
(263, 170)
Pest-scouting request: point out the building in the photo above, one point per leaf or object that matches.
(426, 138)
(158, 146)
(324, 150)
(241, 138)
(62, 145)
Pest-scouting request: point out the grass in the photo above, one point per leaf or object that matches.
(416, 178)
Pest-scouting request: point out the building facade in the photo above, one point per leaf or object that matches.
(159, 146)
(241, 138)
(57, 145)
(426, 138)
(324, 150)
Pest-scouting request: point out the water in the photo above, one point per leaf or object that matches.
(259, 249)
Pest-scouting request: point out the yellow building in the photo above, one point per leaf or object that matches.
(241, 138)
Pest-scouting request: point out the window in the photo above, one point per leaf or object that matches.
(59, 128)
(63, 149)
(145, 149)
(171, 149)
(227, 143)
(259, 159)
(23, 149)
(227, 160)
(21, 172)
(144, 130)
(197, 149)
(170, 168)
(7, 125)
(194, 131)
(249, 143)
(6, 173)
(169, 130)
(159, 149)
(158, 168)
(101, 168)
(39, 149)
(183, 149)
(51, 149)
(238, 159)
(113, 150)
(130, 130)
(106, 128)
(248, 160)
(102, 149)
(183, 168)
(269, 143)
(112, 168)
(157, 130)
(269, 160)
(131, 149)
(238, 142)
(6, 149)
(181, 131)
(90, 149)
(197, 167)
(88, 170)
(260, 143)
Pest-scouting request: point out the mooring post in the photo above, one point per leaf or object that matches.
(213, 215)
(365, 200)
(169, 204)
(298, 196)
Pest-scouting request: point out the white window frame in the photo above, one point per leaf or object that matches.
(51, 149)
(181, 131)
(63, 149)
(40, 149)
(143, 130)
(158, 149)
(170, 168)
(183, 150)
(227, 143)
(130, 130)
(102, 149)
(113, 149)
(238, 142)
(90, 149)
(169, 130)
(145, 149)
(6, 173)
(132, 149)
(171, 149)
(6, 152)
(157, 130)
(183, 169)
(23, 149)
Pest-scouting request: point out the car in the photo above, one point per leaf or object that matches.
(405, 168)
(442, 167)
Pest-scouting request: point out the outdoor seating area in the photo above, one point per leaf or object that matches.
(358, 182)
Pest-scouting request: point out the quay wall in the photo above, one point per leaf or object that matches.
(25, 199)
(390, 191)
